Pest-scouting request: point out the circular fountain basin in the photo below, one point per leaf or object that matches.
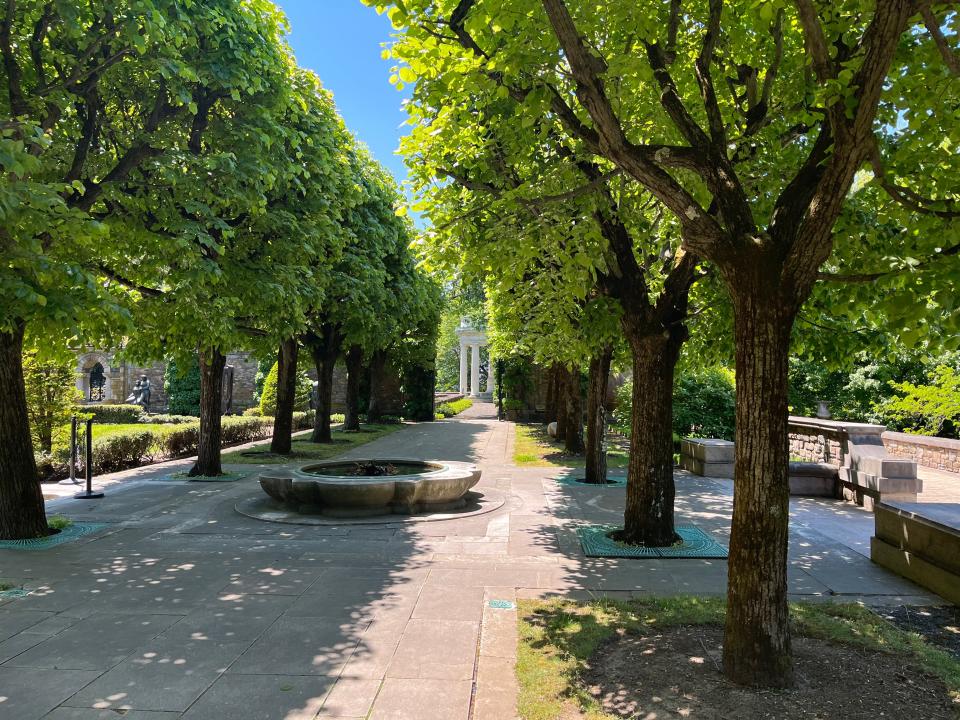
(332, 488)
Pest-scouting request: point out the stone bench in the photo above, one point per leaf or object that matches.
(921, 542)
(814, 479)
(708, 457)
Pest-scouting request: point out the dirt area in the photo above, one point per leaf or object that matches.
(939, 626)
(676, 674)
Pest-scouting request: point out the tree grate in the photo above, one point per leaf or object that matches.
(596, 542)
(613, 481)
(72, 532)
(183, 477)
(14, 593)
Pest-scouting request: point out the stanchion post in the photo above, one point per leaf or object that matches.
(89, 494)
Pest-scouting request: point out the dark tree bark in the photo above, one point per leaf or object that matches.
(324, 348)
(378, 365)
(22, 514)
(212, 362)
(596, 465)
(354, 361)
(648, 515)
(560, 398)
(756, 648)
(573, 437)
(550, 409)
(281, 442)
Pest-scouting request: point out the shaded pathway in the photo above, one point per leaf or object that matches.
(184, 608)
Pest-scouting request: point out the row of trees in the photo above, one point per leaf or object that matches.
(705, 159)
(172, 177)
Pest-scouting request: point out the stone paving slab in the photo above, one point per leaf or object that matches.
(262, 697)
(95, 643)
(30, 693)
(252, 619)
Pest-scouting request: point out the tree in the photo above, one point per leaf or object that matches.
(755, 178)
(96, 94)
(248, 267)
(50, 384)
(498, 175)
(371, 292)
(182, 385)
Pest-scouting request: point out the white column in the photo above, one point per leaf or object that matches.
(475, 370)
(491, 377)
(463, 368)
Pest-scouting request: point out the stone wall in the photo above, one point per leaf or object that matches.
(813, 440)
(931, 452)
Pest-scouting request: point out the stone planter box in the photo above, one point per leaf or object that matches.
(708, 457)
(921, 542)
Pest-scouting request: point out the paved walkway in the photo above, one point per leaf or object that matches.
(183, 608)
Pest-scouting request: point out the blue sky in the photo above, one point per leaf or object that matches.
(341, 40)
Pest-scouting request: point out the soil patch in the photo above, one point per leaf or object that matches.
(939, 625)
(675, 673)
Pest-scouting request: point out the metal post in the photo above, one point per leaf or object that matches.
(89, 494)
(73, 454)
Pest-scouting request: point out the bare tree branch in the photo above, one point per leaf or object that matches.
(946, 52)
(815, 40)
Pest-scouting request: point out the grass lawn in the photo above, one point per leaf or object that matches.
(303, 449)
(534, 448)
(563, 642)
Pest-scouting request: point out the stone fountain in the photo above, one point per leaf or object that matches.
(362, 488)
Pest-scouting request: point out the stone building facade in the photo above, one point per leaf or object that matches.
(104, 378)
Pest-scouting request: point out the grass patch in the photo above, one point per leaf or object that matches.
(534, 448)
(558, 638)
(303, 449)
(451, 409)
(59, 522)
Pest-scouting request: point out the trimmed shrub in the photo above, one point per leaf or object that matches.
(268, 397)
(182, 386)
(303, 420)
(112, 414)
(252, 412)
(164, 419)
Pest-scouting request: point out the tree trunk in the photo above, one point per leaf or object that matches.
(648, 513)
(212, 363)
(756, 647)
(324, 348)
(22, 514)
(573, 437)
(354, 361)
(281, 443)
(550, 404)
(560, 398)
(378, 364)
(596, 469)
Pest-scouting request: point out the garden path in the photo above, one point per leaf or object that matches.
(182, 608)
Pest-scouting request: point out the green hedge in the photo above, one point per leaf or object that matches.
(455, 407)
(157, 442)
(119, 414)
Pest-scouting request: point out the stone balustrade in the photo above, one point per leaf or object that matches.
(932, 452)
(866, 470)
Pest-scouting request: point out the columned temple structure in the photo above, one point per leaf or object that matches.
(471, 340)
